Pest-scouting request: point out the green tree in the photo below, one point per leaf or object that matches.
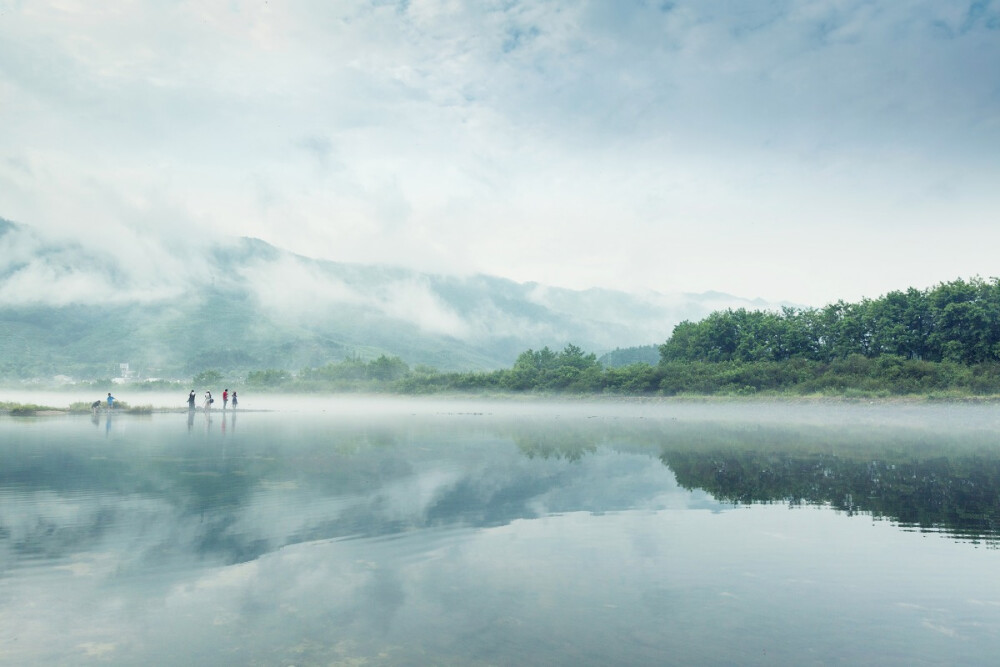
(272, 377)
(208, 378)
(386, 368)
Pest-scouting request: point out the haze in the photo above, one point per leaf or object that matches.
(797, 151)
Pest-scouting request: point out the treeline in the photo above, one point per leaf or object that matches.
(854, 376)
(574, 371)
(956, 321)
(940, 341)
(544, 370)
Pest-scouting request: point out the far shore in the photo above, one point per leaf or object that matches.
(32, 409)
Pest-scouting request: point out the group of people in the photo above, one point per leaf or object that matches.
(209, 400)
(95, 406)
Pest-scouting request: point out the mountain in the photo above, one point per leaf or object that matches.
(172, 309)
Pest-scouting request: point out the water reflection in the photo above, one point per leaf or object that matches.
(956, 494)
(947, 481)
(378, 476)
(471, 538)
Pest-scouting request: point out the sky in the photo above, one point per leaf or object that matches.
(801, 151)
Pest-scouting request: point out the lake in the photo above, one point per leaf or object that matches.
(349, 531)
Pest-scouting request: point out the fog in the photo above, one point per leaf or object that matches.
(912, 414)
(577, 144)
(285, 291)
(338, 529)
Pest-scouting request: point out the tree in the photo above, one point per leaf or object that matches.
(207, 378)
(387, 368)
(574, 356)
(272, 377)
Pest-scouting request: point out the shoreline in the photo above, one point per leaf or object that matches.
(14, 409)
(29, 410)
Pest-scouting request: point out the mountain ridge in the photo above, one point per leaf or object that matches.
(68, 308)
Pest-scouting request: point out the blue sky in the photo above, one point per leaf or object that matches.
(801, 151)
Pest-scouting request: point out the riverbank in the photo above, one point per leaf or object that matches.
(313, 402)
(35, 410)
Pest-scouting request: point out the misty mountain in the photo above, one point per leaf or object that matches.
(172, 308)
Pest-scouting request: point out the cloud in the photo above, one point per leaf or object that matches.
(34, 270)
(679, 147)
(321, 148)
(296, 288)
(290, 286)
(414, 301)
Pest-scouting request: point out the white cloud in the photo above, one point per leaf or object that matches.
(290, 287)
(36, 270)
(751, 149)
(415, 301)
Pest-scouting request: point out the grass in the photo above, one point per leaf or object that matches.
(24, 409)
(30, 409)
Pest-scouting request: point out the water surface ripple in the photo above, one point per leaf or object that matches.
(351, 531)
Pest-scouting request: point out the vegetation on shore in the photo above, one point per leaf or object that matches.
(942, 342)
(572, 371)
(955, 322)
(30, 409)
(23, 409)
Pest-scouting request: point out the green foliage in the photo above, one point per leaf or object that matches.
(272, 377)
(573, 371)
(208, 378)
(956, 322)
(941, 342)
(350, 368)
(619, 357)
(23, 409)
(855, 375)
(386, 368)
(354, 374)
(545, 370)
(29, 409)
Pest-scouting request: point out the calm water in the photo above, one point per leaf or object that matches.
(333, 531)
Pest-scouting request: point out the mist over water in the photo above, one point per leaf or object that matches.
(329, 530)
(831, 412)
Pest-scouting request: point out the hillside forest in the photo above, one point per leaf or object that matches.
(942, 341)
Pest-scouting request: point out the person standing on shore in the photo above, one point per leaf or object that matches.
(234, 399)
(111, 401)
(191, 400)
(225, 398)
(208, 401)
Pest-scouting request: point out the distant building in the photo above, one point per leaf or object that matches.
(126, 374)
